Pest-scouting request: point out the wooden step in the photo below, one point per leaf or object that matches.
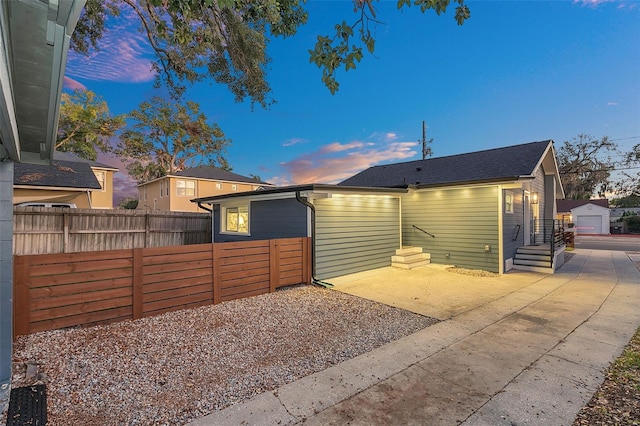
(534, 256)
(527, 262)
(410, 258)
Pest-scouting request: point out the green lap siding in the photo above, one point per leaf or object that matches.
(355, 233)
(463, 222)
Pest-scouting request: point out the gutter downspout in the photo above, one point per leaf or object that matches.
(314, 279)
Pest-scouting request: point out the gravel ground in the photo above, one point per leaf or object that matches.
(173, 368)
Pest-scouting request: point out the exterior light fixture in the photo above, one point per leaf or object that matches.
(535, 198)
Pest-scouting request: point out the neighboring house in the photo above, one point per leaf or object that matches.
(490, 210)
(68, 179)
(175, 191)
(618, 212)
(588, 216)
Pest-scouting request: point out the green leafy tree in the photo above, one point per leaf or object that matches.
(163, 136)
(85, 125)
(585, 166)
(226, 40)
(129, 203)
(626, 201)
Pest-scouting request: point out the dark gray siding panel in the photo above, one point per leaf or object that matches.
(355, 233)
(463, 222)
(269, 219)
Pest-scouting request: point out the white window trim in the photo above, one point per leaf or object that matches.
(223, 218)
(508, 194)
(161, 188)
(195, 192)
(234, 187)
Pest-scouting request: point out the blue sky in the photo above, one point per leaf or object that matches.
(516, 72)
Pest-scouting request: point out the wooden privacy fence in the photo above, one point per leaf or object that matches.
(39, 230)
(76, 289)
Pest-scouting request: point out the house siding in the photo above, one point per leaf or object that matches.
(269, 219)
(355, 233)
(463, 221)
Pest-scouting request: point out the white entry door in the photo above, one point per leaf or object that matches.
(527, 220)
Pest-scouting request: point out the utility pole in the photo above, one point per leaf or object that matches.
(426, 150)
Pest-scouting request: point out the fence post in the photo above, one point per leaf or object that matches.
(65, 240)
(138, 291)
(216, 252)
(146, 230)
(21, 296)
(274, 265)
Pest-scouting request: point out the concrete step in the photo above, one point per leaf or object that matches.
(533, 256)
(408, 250)
(410, 258)
(545, 270)
(410, 265)
(526, 262)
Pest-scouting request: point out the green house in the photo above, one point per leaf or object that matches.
(492, 210)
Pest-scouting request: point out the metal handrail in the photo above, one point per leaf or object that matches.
(551, 231)
(420, 229)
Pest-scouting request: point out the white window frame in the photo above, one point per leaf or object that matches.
(167, 186)
(161, 188)
(218, 185)
(508, 202)
(103, 182)
(234, 187)
(185, 188)
(224, 209)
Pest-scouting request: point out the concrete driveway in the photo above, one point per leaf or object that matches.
(523, 348)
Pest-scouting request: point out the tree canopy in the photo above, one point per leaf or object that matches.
(163, 136)
(585, 166)
(85, 125)
(226, 40)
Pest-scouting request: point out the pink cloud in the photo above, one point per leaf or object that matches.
(72, 84)
(124, 56)
(324, 166)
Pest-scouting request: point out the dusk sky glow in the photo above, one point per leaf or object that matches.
(515, 72)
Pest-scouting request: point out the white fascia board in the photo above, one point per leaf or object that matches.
(54, 188)
(503, 185)
(248, 198)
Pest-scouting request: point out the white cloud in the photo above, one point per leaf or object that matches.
(336, 161)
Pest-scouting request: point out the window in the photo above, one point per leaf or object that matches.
(218, 186)
(185, 188)
(508, 202)
(236, 219)
(234, 187)
(161, 189)
(101, 176)
(167, 184)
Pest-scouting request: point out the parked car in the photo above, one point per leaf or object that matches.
(56, 205)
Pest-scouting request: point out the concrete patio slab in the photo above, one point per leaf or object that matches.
(523, 348)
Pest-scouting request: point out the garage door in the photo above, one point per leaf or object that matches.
(589, 224)
(355, 233)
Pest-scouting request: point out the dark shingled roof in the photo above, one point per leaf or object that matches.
(565, 206)
(482, 166)
(69, 156)
(214, 173)
(65, 174)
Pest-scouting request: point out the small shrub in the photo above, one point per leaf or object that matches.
(633, 224)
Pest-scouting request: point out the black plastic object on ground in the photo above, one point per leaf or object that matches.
(28, 406)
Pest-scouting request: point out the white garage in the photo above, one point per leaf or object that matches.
(591, 219)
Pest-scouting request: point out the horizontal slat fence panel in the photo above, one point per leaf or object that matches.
(86, 288)
(39, 230)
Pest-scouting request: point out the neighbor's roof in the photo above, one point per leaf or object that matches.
(70, 156)
(564, 206)
(64, 174)
(492, 165)
(213, 173)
